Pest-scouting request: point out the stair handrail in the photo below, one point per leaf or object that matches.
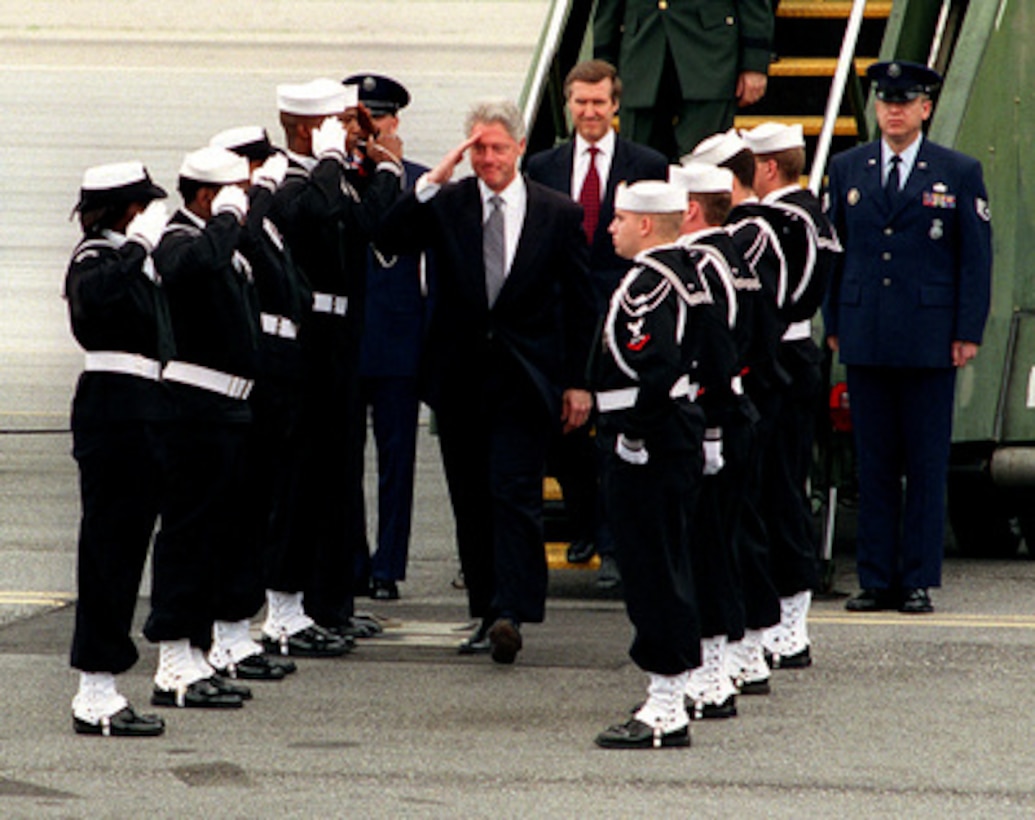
(845, 62)
(546, 51)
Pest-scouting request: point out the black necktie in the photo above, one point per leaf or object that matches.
(892, 184)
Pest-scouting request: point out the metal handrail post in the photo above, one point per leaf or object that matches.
(845, 62)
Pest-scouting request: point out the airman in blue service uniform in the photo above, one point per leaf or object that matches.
(393, 334)
(906, 307)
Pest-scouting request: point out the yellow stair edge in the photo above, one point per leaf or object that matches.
(832, 9)
(814, 66)
(811, 125)
(557, 557)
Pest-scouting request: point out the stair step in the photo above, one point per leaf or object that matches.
(811, 125)
(814, 66)
(832, 9)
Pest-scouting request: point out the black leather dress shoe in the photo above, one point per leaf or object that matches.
(202, 694)
(580, 551)
(230, 688)
(799, 660)
(381, 590)
(608, 576)
(478, 642)
(358, 627)
(255, 667)
(124, 723)
(916, 602)
(635, 734)
(712, 711)
(505, 637)
(311, 642)
(755, 687)
(873, 600)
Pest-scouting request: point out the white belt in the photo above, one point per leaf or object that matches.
(798, 330)
(625, 397)
(330, 303)
(132, 364)
(206, 378)
(278, 326)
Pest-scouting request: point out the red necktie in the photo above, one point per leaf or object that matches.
(589, 196)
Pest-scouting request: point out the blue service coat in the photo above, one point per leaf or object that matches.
(915, 278)
(397, 307)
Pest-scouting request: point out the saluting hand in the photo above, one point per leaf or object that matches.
(443, 172)
(575, 407)
(387, 148)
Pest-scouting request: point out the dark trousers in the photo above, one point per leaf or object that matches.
(206, 565)
(572, 460)
(902, 418)
(330, 509)
(493, 441)
(274, 481)
(675, 126)
(761, 600)
(394, 408)
(122, 472)
(787, 461)
(720, 598)
(652, 507)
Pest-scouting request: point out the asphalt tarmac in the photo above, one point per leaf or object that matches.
(922, 716)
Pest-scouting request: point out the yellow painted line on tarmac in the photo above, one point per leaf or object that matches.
(954, 620)
(34, 598)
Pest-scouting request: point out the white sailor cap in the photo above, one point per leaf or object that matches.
(701, 178)
(717, 148)
(249, 141)
(117, 183)
(773, 137)
(317, 98)
(214, 166)
(650, 197)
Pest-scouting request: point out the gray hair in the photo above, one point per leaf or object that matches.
(500, 110)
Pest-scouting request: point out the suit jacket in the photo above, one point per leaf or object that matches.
(543, 316)
(631, 162)
(713, 41)
(916, 277)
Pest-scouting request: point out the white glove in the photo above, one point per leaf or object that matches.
(230, 199)
(713, 460)
(271, 173)
(147, 226)
(329, 138)
(631, 450)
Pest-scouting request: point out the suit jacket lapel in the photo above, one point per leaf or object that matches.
(524, 255)
(873, 187)
(467, 222)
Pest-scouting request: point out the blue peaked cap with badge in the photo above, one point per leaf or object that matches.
(381, 94)
(902, 81)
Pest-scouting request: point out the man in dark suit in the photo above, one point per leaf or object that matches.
(691, 63)
(906, 308)
(588, 168)
(507, 348)
(393, 337)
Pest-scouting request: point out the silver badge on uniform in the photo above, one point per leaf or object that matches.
(937, 229)
(853, 196)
